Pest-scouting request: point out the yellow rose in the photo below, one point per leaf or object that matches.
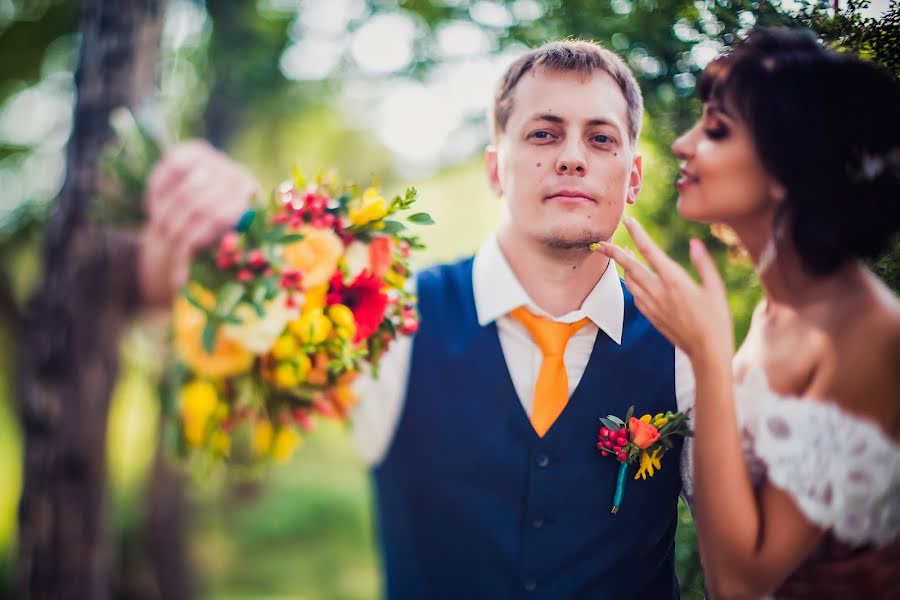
(316, 255)
(286, 441)
(370, 208)
(199, 399)
(227, 358)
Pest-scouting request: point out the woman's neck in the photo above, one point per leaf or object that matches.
(784, 279)
(557, 280)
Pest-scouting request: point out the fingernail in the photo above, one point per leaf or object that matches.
(630, 220)
(695, 245)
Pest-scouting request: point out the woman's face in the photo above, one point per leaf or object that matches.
(722, 178)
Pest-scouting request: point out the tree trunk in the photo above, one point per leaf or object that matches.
(69, 351)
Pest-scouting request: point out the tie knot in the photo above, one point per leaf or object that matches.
(550, 336)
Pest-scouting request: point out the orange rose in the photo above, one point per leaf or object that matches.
(228, 356)
(643, 434)
(316, 255)
(381, 255)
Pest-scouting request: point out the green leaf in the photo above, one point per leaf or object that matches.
(209, 334)
(190, 298)
(289, 238)
(229, 296)
(666, 442)
(616, 420)
(609, 424)
(421, 218)
(392, 227)
(245, 221)
(630, 413)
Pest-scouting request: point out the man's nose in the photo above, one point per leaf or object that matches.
(571, 160)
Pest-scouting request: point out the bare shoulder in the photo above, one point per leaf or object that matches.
(866, 367)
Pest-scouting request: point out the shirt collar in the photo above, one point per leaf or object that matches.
(497, 292)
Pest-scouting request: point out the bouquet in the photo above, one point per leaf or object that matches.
(643, 441)
(281, 316)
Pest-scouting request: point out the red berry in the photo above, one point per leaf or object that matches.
(604, 453)
(256, 259)
(604, 431)
(608, 444)
(244, 275)
(600, 447)
(617, 449)
(621, 440)
(229, 242)
(622, 456)
(409, 326)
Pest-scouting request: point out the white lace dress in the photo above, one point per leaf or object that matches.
(842, 471)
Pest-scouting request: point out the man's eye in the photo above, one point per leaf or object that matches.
(541, 135)
(601, 138)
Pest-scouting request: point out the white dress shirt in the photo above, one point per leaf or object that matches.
(497, 292)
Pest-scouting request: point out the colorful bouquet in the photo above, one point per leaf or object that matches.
(285, 312)
(643, 440)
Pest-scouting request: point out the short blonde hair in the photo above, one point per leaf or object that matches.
(579, 56)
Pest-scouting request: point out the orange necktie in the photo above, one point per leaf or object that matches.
(551, 390)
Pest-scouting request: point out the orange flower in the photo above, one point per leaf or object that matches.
(643, 434)
(381, 255)
(228, 356)
(316, 255)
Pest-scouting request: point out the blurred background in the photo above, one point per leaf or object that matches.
(396, 88)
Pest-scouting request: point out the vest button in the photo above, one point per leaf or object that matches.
(529, 584)
(537, 523)
(542, 460)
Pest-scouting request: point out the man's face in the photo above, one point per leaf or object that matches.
(565, 165)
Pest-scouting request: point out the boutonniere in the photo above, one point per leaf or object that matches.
(644, 441)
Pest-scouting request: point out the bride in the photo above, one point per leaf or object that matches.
(796, 439)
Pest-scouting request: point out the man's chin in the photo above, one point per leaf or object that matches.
(575, 240)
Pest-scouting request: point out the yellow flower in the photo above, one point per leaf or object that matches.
(316, 255)
(314, 297)
(371, 207)
(646, 418)
(286, 375)
(313, 327)
(649, 464)
(262, 437)
(198, 403)
(286, 441)
(344, 322)
(227, 358)
(285, 347)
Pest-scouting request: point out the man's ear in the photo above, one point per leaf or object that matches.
(635, 179)
(492, 169)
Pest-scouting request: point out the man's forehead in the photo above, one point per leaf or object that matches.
(569, 95)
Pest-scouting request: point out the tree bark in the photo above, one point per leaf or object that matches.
(69, 351)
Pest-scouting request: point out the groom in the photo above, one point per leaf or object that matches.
(482, 430)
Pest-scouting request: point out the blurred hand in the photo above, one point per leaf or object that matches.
(193, 195)
(693, 316)
(846, 573)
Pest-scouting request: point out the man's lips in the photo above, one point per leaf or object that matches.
(569, 196)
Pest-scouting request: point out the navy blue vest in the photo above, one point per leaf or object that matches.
(473, 504)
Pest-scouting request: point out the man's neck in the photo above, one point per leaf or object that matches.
(557, 280)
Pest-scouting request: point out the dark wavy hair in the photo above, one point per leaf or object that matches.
(826, 125)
